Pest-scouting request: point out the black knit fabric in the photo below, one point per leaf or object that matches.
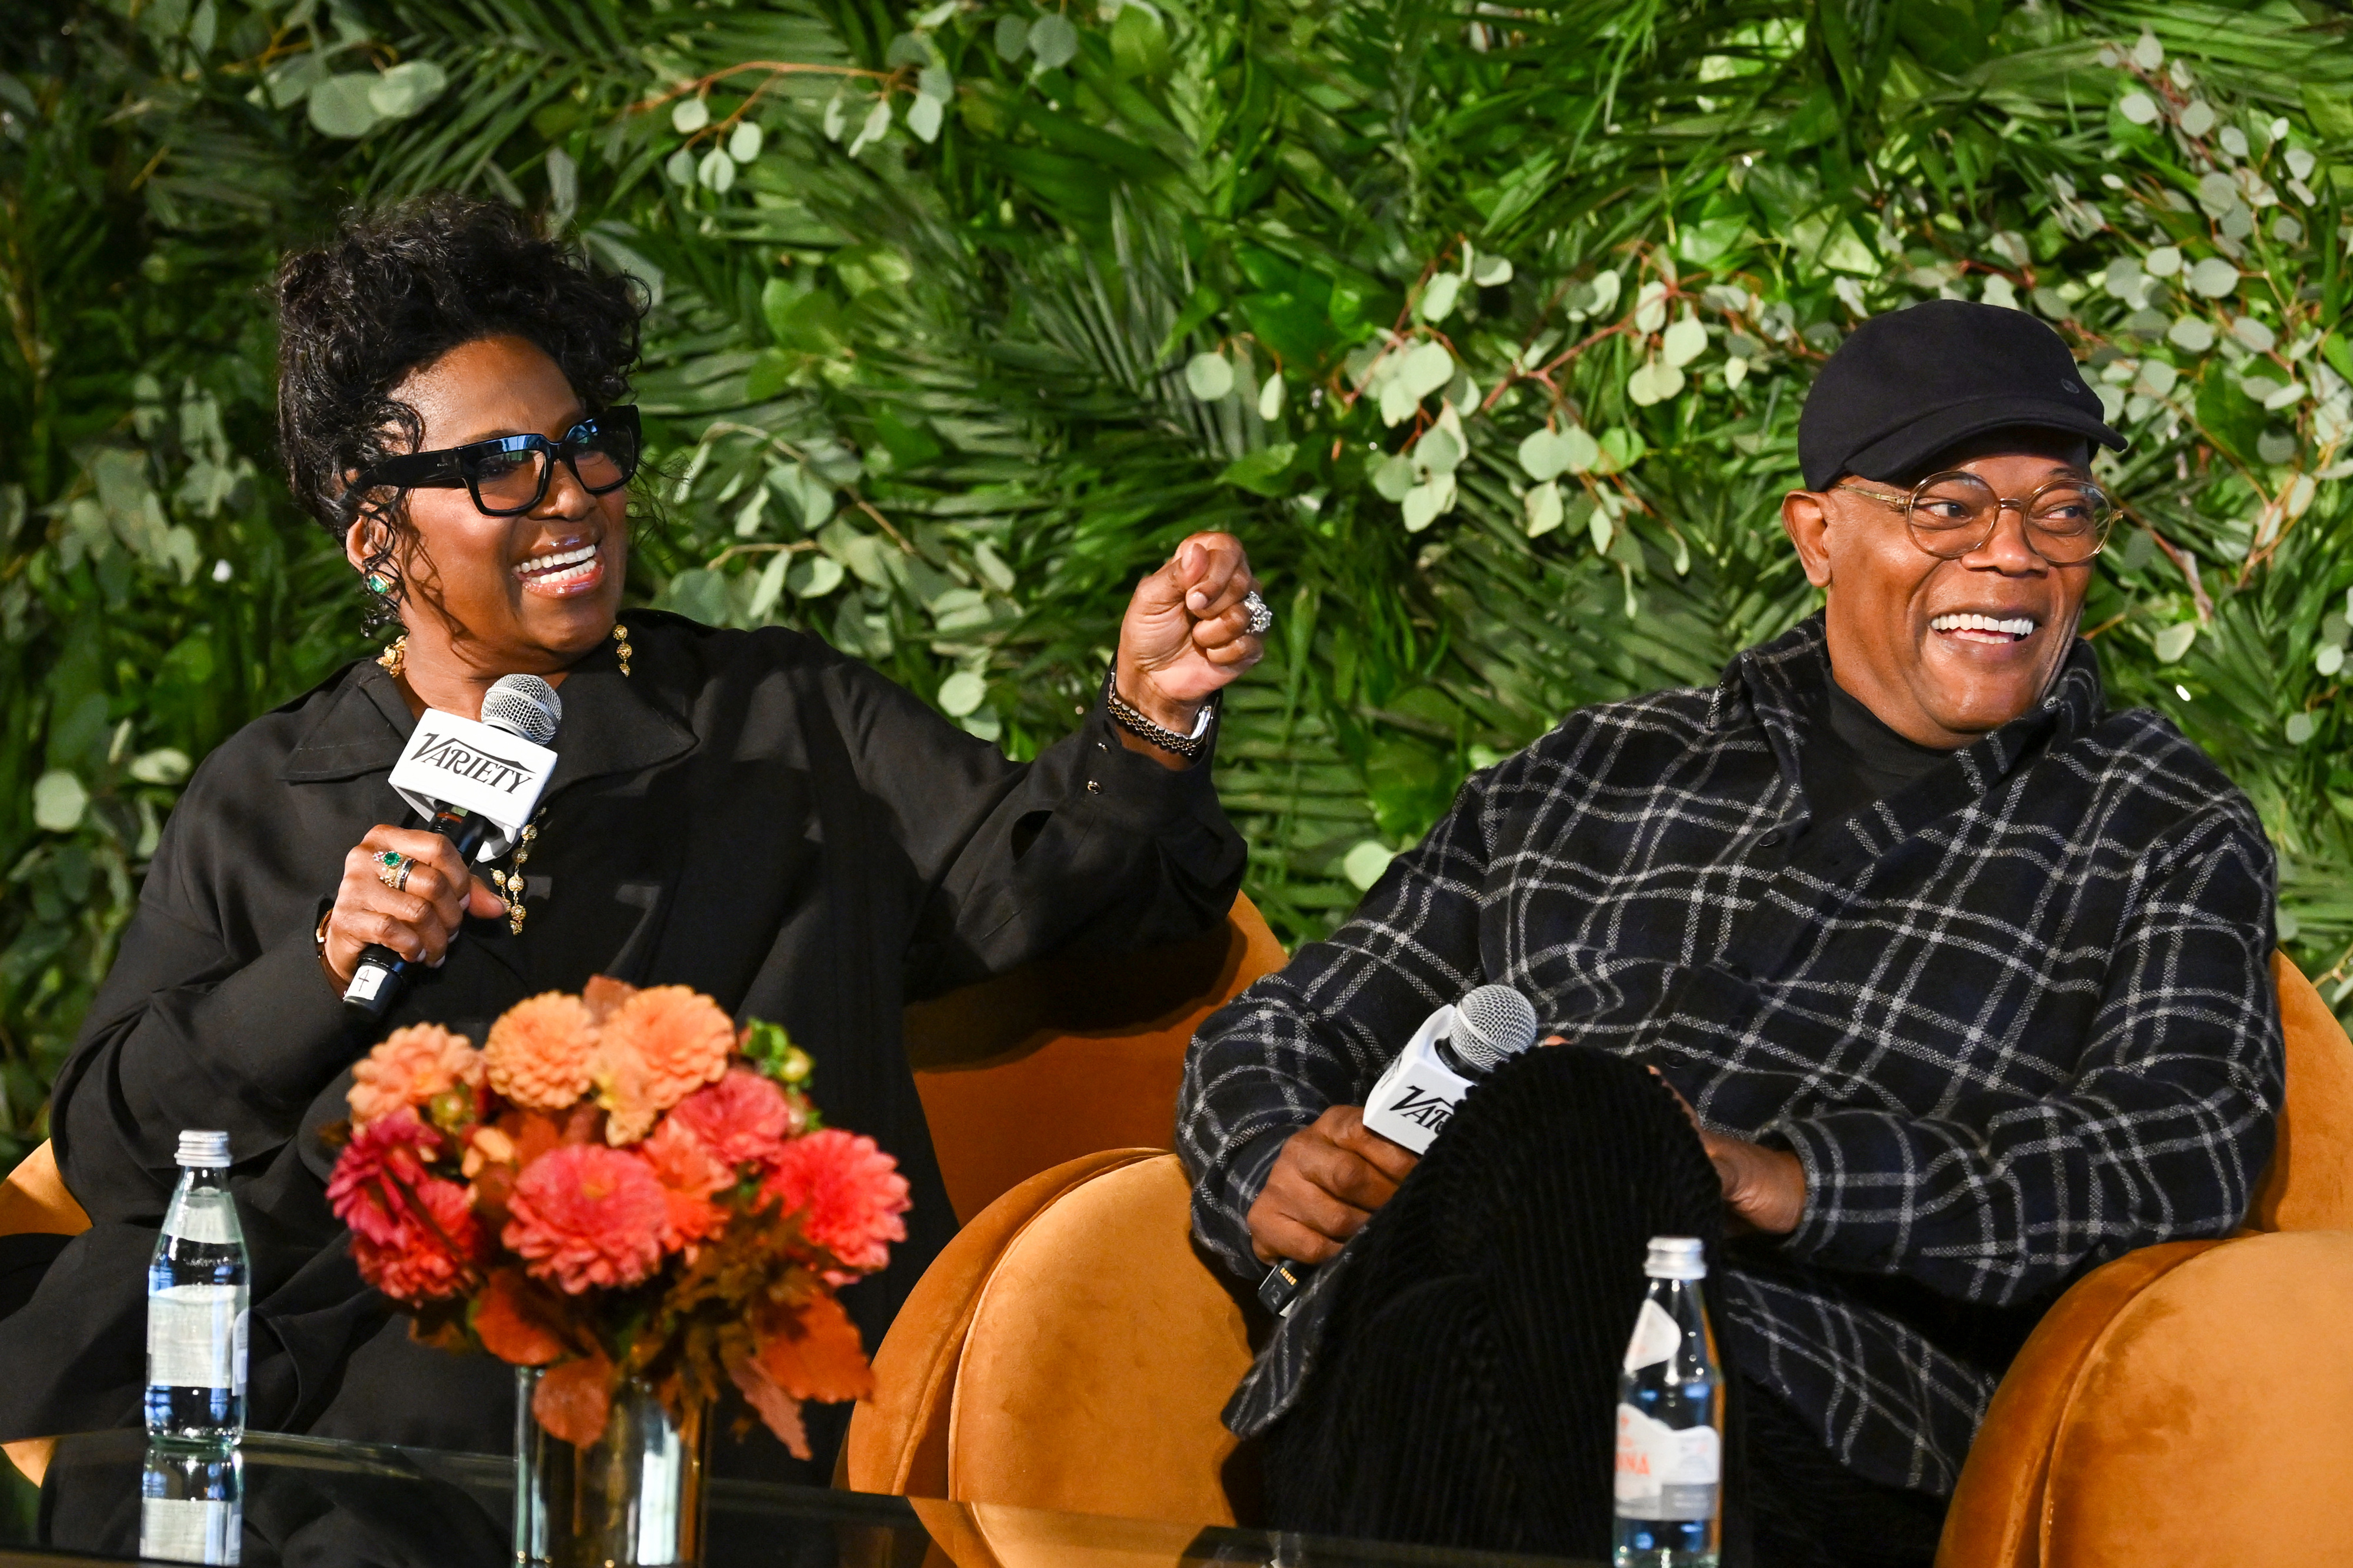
(1467, 1391)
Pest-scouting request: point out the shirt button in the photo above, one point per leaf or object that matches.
(1771, 840)
(1093, 788)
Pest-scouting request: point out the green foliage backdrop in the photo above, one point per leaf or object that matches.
(1486, 325)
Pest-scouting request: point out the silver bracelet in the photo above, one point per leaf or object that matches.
(1129, 718)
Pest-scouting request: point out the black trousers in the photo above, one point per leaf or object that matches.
(1465, 1389)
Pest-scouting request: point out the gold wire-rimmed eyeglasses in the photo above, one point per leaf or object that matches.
(1952, 514)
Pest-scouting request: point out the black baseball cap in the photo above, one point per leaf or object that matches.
(1909, 385)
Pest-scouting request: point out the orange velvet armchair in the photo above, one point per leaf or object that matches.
(2187, 1404)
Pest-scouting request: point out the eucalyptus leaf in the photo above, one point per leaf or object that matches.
(1012, 36)
(924, 116)
(689, 115)
(1653, 381)
(2191, 332)
(1492, 271)
(2172, 644)
(1365, 862)
(679, 166)
(1650, 307)
(1426, 501)
(769, 587)
(1393, 475)
(2214, 277)
(813, 577)
(2162, 262)
(165, 765)
(1544, 454)
(743, 143)
(1437, 301)
(716, 170)
(836, 117)
(1208, 376)
(1426, 368)
(408, 88)
(877, 123)
(1270, 398)
(2330, 661)
(58, 802)
(1544, 510)
(1684, 342)
(961, 693)
(935, 81)
(1053, 40)
(1439, 451)
(2138, 107)
(2299, 727)
(344, 105)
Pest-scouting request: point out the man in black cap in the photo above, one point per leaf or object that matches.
(1961, 975)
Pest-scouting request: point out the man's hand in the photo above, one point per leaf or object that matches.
(1764, 1189)
(1186, 634)
(1330, 1177)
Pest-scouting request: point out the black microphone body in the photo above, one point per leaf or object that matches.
(1416, 1093)
(517, 709)
(391, 974)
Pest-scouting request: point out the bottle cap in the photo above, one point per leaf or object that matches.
(204, 1149)
(1675, 1258)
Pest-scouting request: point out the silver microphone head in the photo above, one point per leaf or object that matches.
(1492, 1025)
(524, 705)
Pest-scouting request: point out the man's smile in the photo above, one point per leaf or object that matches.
(1975, 627)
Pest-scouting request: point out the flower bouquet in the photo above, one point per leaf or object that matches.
(625, 1190)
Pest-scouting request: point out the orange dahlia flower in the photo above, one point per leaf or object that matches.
(538, 1053)
(410, 1067)
(431, 1255)
(744, 1119)
(584, 1215)
(653, 1051)
(690, 1175)
(849, 1192)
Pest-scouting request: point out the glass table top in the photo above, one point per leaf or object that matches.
(332, 1504)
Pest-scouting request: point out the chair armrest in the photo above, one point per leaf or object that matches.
(2175, 1407)
(1996, 1509)
(34, 1200)
(897, 1440)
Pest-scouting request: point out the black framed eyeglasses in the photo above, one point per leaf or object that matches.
(1953, 514)
(509, 474)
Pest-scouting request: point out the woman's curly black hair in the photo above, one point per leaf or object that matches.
(395, 289)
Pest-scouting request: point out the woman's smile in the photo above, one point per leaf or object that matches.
(560, 574)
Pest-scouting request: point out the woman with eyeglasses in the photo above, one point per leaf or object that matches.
(750, 814)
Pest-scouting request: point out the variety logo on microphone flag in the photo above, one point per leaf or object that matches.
(1416, 1096)
(488, 772)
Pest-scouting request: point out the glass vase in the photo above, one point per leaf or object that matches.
(632, 1496)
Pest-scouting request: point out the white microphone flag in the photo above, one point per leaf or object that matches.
(451, 761)
(1416, 1096)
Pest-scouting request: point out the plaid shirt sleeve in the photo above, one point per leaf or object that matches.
(2161, 1134)
(1318, 1033)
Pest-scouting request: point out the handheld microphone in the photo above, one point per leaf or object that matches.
(475, 784)
(1416, 1093)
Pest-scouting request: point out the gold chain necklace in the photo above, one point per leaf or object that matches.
(508, 882)
(509, 879)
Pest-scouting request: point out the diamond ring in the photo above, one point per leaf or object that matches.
(1261, 617)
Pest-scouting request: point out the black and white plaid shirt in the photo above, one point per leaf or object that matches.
(2015, 1019)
